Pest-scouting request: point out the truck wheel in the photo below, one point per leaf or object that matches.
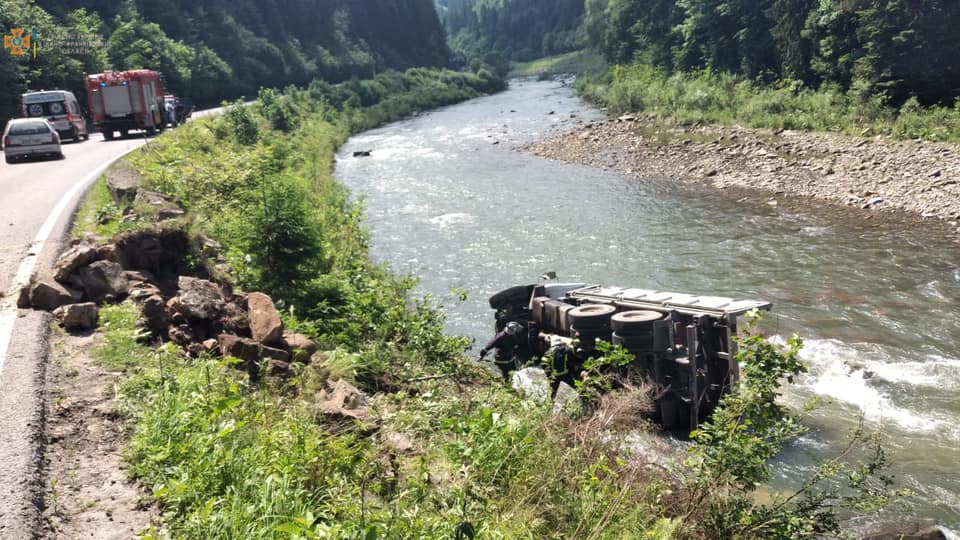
(124, 132)
(108, 135)
(591, 316)
(152, 130)
(635, 323)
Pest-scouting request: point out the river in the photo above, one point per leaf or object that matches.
(449, 200)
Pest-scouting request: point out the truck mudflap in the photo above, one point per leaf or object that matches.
(683, 344)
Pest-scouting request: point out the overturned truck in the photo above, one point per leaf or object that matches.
(682, 343)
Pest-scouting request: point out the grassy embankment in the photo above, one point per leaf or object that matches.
(727, 99)
(447, 451)
(229, 460)
(577, 62)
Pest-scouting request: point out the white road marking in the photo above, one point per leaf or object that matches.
(8, 303)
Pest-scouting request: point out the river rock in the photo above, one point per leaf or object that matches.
(265, 324)
(71, 260)
(102, 280)
(922, 529)
(300, 346)
(48, 295)
(344, 401)
(532, 382)
(77, 316)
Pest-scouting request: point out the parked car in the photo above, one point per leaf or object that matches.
(61, 109)
(29, 137)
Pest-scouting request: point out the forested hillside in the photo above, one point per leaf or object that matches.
(892, 48)
(518, 29)
(217, 49)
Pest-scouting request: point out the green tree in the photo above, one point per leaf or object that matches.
(139, 44)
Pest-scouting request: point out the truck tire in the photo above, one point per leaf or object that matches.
(514, 295)
(108, 135)
(589, 336)
(635, 323)
(124, 132)
(591, 316)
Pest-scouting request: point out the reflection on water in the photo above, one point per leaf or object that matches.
(448, 201)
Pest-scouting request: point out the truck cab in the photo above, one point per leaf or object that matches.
(60, 108)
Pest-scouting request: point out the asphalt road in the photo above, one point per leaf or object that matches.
(37, 202)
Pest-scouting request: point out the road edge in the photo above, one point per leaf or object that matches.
(23, 389)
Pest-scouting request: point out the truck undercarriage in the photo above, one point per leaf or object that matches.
(682, 344)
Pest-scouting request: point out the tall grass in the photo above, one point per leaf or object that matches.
(727, 99)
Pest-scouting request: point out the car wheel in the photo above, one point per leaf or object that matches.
(60, 156)
(9, 159)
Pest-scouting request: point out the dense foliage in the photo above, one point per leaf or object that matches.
(516, 29)
(897, 49)
(216, 49)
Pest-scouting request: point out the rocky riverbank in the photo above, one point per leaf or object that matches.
(877, 175)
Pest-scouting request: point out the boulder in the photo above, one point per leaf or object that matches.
(301, 347)
(244, 349)
(48, 295)
(278, 368)
(181, 335)
(198, 299)
(123, 184)
(344, 401)
(566, 400)
(161, 252)
(77, 316)
(921, 529)
(23, 297)
(273, 354)
(107, 252)
(160, 205)
(72, 260)
(210, 345)
(265, 324)
(154, 315)
(102, 280)
(532, 382)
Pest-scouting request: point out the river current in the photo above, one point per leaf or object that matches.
(450, 201)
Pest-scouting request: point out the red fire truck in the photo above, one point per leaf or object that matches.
(126, 100)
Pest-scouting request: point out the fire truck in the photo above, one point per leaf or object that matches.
(121, 101)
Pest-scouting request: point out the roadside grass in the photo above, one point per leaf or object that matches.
(724, 98)
(574, 63)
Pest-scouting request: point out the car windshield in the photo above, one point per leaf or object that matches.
(29, 128)
(49, 108)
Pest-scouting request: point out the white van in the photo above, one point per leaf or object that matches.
(61, 109)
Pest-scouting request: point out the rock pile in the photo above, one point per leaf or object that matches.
(150, 268)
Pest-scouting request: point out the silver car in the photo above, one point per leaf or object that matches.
(30, 137)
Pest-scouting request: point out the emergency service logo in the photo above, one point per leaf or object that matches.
(20, 43)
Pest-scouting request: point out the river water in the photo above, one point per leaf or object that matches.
(450, 201)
